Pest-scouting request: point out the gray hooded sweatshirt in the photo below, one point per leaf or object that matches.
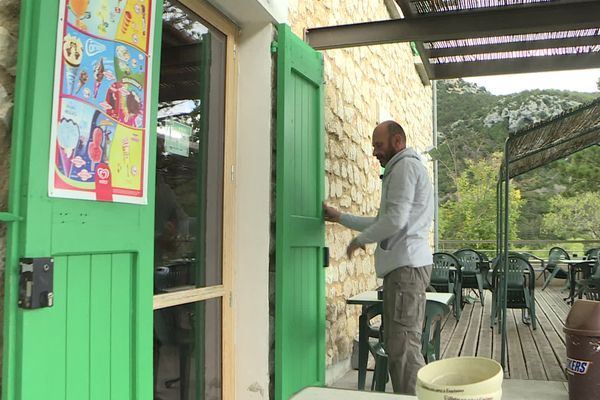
(401, 228)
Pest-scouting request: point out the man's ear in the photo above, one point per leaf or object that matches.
(398, 142)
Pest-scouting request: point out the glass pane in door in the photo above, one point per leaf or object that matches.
(187, 351)
(189, 176)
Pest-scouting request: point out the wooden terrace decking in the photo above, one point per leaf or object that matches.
(532, 354)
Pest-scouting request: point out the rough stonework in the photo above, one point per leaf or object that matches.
(364, 86)
(9, 29)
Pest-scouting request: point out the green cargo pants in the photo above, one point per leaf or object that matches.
(403, 314)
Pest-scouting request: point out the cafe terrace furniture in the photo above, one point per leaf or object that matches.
(520, 292)
(446, 278)
(437, 306)
(554, 255)
(575, 267)
(472, 262)
(592, 254)
(589, 287)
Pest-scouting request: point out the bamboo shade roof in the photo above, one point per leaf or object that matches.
(460, 38)
(554, 138)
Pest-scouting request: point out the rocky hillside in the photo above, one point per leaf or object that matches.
(473, 123)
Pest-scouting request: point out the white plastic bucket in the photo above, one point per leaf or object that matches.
(460, 378)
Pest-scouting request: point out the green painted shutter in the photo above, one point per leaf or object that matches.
(96, 341)
(300, 232)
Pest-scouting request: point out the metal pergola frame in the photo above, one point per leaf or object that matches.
(462, 38)
(540, 144)
(482, 37)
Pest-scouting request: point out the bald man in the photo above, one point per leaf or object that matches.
(403, 256)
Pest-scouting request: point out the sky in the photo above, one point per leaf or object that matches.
(578, 80)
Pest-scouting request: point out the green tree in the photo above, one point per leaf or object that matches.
(573, 217)
(471, 214)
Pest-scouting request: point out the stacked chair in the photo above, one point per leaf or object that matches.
(446, 278)
(473, 270)
(520, 293)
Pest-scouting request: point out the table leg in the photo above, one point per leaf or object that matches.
(363, 348)
(572, 273)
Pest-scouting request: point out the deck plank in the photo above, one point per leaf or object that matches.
(447, 331)
(460, 332)
(516, 361)
(548, 307)
(534, 355)
(469, 348)
(554, 359)
(486, 333)
(533, 360)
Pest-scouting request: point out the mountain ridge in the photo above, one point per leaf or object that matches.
(474, 123)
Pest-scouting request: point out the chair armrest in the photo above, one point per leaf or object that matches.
(541, 260)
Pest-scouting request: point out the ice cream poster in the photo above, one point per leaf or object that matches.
(99, 137)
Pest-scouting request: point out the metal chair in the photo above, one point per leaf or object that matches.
(590, 286)
(520, 292)
(430, 344)
(592, 254)
(529, 257)
(432, 330)
(472, 262)
(555, 254)
(446, 277)
(368, 329)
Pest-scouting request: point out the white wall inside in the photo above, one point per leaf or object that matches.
(253, 194)
(253, 11)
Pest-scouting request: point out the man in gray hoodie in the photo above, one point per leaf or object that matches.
(403, 256)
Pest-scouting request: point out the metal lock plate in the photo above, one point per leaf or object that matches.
(36, 282)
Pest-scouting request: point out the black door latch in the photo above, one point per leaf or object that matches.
(36, 282)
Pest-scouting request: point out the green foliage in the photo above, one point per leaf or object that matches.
(573, 217)
(471, 214)
(581, 171)
(463, 136)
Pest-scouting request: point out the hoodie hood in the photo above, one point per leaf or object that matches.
(408, 152)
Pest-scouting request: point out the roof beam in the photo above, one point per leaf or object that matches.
(409, 9)
(515, 65)
(447, 26)
(512, 46)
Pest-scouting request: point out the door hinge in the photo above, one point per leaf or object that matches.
(8, 217)
(234, 51)
(325, 257)
(232, 173)
(230, 300)
(274, 46)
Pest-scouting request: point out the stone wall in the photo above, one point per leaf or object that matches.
(364, 85)
(9, 27)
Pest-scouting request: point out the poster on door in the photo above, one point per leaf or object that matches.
(100, 117)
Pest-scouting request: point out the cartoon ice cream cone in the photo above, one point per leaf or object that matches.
(79, 8)
(95, 147)
(68, 138)
(125, 148)
(65, 159)
(83, 78)
(72, 56)
(126, 22)
(98, 75)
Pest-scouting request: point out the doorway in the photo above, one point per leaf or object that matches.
(191, 265)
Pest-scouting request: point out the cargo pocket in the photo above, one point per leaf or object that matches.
(409, 310)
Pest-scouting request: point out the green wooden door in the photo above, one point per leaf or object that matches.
(96, 341)
(300, 232)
